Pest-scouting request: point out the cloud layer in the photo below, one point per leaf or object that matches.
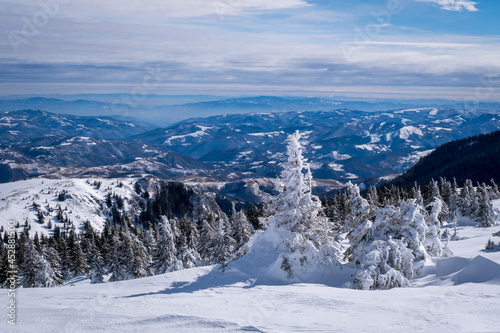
(221, 46)
(454, 5)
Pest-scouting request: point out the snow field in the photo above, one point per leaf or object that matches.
(456, 294)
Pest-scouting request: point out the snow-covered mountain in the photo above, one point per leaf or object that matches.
(343, 144)
(84, 201)
(36, 143)
(68, 203)
(25, 125)
(165, 110)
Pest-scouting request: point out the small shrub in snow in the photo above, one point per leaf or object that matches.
(491, 246)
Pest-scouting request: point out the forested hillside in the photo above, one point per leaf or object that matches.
(476, 158)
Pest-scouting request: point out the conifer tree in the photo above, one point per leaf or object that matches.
(206, 243)
(30, 266)
(296, 213)
(358, 218)
(117, 267)
(97, 270)
(48, 274)
(373, 199)
(485, 215)
(140, 262)
(467, 199)
(165, 259)
(223, 244)
(240, 228)
(495, 192)
(4, 265)
(387, 252)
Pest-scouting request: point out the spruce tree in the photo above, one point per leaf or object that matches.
(97, 269)
(206, 243)
(485, 215)
(240, 228)
(49, 273)
(117, 267)
(296, 214)
(165, 259)
(30, 266)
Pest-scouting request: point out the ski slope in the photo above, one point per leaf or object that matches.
(457, 294)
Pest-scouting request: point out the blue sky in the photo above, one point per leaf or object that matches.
(366, 48)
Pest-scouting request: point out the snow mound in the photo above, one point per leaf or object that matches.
(479, 270)
(264, 260)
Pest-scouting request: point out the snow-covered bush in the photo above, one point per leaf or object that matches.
(392, 248)
(385, 264)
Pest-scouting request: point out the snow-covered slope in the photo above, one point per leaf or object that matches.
(459, 295)
(84, 201)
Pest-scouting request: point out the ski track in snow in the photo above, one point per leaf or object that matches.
(456, 294)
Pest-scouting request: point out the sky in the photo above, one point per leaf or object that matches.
(364, 48)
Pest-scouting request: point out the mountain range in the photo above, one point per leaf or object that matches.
(342, 144)
(238, 154)
(166, 110)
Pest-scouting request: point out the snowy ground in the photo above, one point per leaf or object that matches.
(458, 294)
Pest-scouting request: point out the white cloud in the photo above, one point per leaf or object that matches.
(149, 9)
(454, 5)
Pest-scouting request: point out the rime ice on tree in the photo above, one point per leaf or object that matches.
(299, 244)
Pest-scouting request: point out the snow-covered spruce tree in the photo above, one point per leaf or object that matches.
(97, 270)
(467, 199)
(454, 211)
(4, 267)
(432, 241)
(30, 266)
(48, 274)
(416, 194)
(357, 220)
(54, 260)
(393, 249)
(240, 228)
(378, 250)
(165, 259)
(241, 232)
(490, 246)
(386, 263)
(77, 262)
(141, 261)
(494, 192)
(117, 268)
(484, 214)
(295, 214)
(223, 244)
(205, 244)
(150, 242)
(373, 199)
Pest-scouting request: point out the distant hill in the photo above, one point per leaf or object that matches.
(25, 125)
(476, 158)
(342, 144)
